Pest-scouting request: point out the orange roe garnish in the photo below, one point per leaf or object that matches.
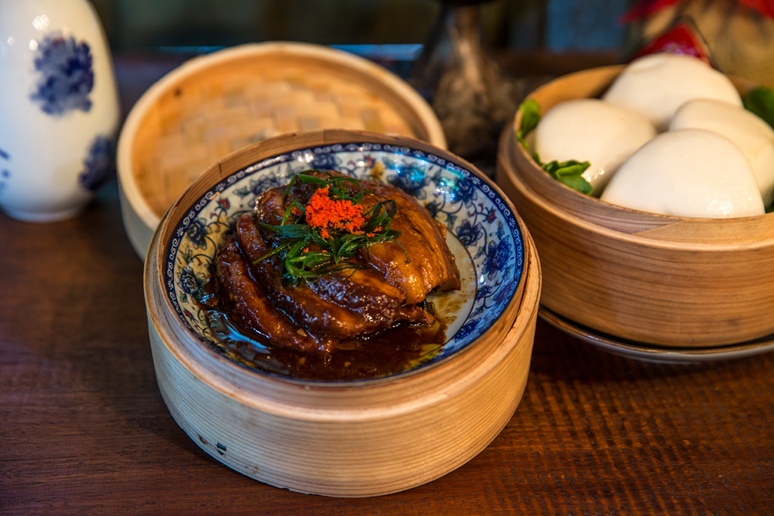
(325, 213)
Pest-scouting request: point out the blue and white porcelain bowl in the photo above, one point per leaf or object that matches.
(482, 230)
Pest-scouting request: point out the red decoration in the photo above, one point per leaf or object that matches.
(680, 39)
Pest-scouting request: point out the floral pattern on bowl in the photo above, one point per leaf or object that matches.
(469, 208)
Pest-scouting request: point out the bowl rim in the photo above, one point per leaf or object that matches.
(170, 225)
(125, 163)
(511, 150)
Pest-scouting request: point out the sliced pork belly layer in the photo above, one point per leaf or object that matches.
(431, 266)
(339, 305)
(246, 302)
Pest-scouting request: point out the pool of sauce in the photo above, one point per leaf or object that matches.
(391, 351)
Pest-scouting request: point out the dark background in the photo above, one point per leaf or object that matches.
(554, 25)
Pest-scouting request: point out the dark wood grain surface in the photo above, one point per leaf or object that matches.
(83, 428)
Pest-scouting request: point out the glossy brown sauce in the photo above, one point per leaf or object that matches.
(391, 351)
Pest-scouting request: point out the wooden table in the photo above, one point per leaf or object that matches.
(84, 429)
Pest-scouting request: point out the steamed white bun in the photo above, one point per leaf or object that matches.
(591, 130)
(689, 173)
(656, 85)
(750, 133)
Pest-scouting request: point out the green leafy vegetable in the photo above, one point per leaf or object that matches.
(761, 102)
(530, 116)
(570, 173)
(567, 172)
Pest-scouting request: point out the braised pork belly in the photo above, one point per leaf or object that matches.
(314, 286)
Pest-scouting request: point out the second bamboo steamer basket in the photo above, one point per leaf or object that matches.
(654, 279)
(215, 104)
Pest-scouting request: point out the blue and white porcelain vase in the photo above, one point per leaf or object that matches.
(59, 109)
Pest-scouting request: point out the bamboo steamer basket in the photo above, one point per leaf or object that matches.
(662, 280)
(343, 439)
(215, 104)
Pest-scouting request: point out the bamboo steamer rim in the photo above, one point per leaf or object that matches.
(132, 124)
(252, 387)
(647, 238)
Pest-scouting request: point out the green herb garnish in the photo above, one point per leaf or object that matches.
(320, 237)
(567, 172)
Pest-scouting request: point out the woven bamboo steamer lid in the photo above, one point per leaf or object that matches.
(347, 439)
(215, 104)
(656, 279)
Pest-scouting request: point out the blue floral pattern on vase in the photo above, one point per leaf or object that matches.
(469, 208)
(4, 172)
(99, 163)
(66, 75)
